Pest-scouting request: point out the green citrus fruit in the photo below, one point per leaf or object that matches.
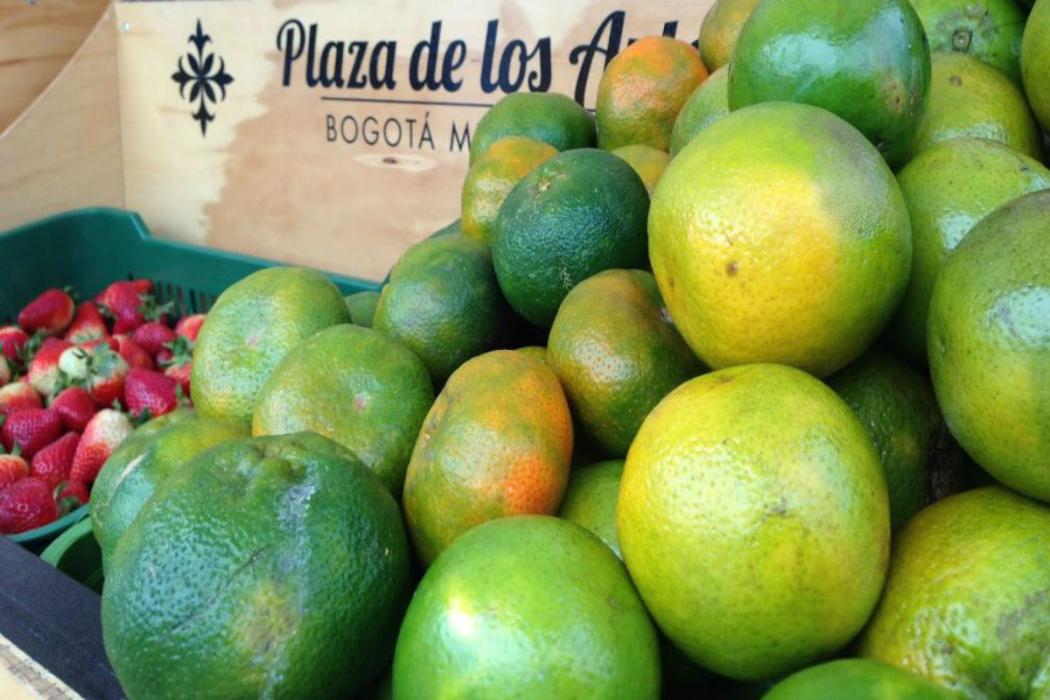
(527, 607)
(754, 520)
(642, 89)
(966, 599)
(949, 188)
(492, 177)
(708, 103)
(647, 161)
(356, 386)
(496, 442)
(857, 679)
(989, 343)
(590, 500)
(250, 328)
(269, 567)
(549, 117)
(866, 61)
(617, 353)
(986, 29)
(362, 307)
(1035, 61)
(720, 30)
(444, 303)
(780, 235)
(970, 98)
(575, 215)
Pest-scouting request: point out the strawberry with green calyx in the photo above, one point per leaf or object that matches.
(133, 353)
(26, 505)
(189, 326)
(88, 324)
(51, 312)
(70, 495)
(130, 306)
(180, 366)
(53, 463)
(153, 336)
(18, 396)
(103, 434)
(150, 391)
(108, 370)
(13, 467)
(12, 340)
(30, 430)
(75, 407)
(43, 372)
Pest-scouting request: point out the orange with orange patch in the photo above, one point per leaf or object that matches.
(496, 442)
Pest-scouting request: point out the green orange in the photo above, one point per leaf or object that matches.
(590, 500)
(857, 679)
(647, 161)
(989, 343)
(1035, 61)
(754, 520)
(986, 29)
(965, 603)
(353, 385)
(492, 177)
(708, 103)
(720, 30)
(948, 189)
(780, 235)
(362, 307)
(617, 353)
(496, 442)
(527, 607)
(642, 91)
(549, 117)
(970, 98)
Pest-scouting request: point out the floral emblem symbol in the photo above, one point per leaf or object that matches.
(206, 80)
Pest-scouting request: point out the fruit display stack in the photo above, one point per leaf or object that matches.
(738, 388)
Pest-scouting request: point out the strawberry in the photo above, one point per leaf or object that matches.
(180, 372)
(12, 340)
(51, 312)
(75, 407)
(75, 364)
(133, 353)
(108, 370)
(150, 391)
(5, 371)
(12, 468)
(141, 286)
(153, 336)
(165, 357)
(131, 304)
(43, 368)
(18, 396)
(189, 326)
(30, 429)
(52, 464)
(25, 505)
(103, 434)
(70, 495)
(87, 325)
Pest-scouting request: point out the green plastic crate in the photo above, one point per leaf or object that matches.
(87, 249)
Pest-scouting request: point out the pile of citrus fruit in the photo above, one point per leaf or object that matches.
(739, 387)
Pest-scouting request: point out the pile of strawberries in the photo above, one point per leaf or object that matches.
(74, 381)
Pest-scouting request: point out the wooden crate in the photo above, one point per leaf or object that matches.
(327, 133)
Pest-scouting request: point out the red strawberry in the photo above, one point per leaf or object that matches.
(12, 340)
(50, 312)
(108, 370)
(133, 353)
(43, 368)
(102, 435)
(70, 495)
(25, 505)
(17, 397)
(12, 468)
(87, 325)
(165, 357)
(150, 391)
(121, 300)
(52, 464)
(153, 336)
(5, 371)
(75, 407)
(181, 372)
(189, 326)
(30, 429)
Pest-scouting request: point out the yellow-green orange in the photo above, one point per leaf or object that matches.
(590, 500)
(897, 408)
(535, 351)
(720, 30)
(527, 607)
(647, 161)
(496, 442)
(250, 328)
(356, 386)
(856, 679)
(492, 177)
(549, 117)
(134, 471)
(443, 302)
(865, 60)
(362, 307)
(948, 189)
(780, 235)
(617, 353)
(986, 29)
(642, 90)
(989, 344)
(708, 103)
(268, 567)
(754, 520)
(966, 599)
(575, 215)
(970, 98)
(1035, 61)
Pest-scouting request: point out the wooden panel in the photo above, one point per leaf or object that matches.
(64, 152)
(36, 40)
(302, 161)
